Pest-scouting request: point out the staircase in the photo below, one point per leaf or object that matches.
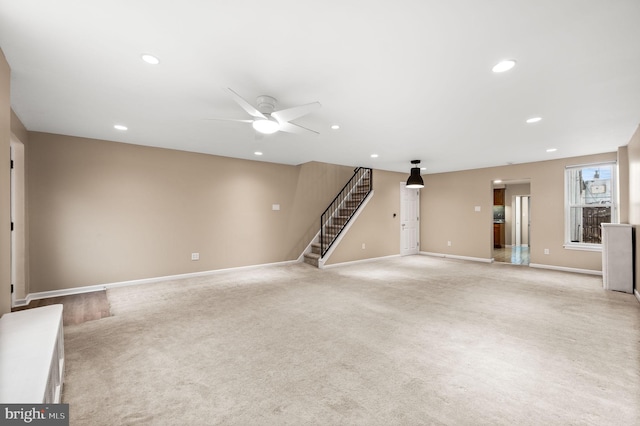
(336, 217)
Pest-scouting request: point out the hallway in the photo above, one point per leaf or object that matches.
(516, 255)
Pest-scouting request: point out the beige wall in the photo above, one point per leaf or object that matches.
(5, 210)
(103, 212)
(376, 227)
(633, 155)
(448, 201)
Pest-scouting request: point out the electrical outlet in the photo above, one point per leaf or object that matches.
(195, 256)
(546, 251)
(449, 243)
(363, 246)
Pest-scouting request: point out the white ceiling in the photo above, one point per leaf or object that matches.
(409, 79)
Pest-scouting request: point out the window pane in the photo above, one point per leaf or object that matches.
(584, 223)
(590, 185)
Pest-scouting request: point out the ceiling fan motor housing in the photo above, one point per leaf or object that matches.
(266, 104)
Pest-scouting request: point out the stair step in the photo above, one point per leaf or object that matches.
(339, 220)
(328, 238)
(312, 259)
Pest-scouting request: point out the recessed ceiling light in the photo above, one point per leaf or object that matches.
(423, 168)
(335, 127)
(533, 120)
(374, 155)
(552, 149)
(257, 153)
(120, 127)
(503, 66)
(150, 59)
(497, 181)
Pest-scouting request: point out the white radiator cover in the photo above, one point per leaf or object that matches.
(617, 257)
(32, 356)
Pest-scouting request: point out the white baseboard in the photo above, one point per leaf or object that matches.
(352, 262)
(637, 294)
(101, 287)
(454, 256)
(565, 269)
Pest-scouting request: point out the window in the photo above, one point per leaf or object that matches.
(590, 199)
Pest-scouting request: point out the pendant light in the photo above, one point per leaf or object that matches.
(415, 180)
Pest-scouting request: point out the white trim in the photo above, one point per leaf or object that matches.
(100, 287)
(579, 166)
(17, 303)
(583, 246)
(637, 294)
(565, 269)
(351, 262)
(454, 256)
(335, 244)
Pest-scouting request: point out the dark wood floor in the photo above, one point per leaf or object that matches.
(77, 308)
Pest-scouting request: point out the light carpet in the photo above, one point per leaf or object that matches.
(402, 341)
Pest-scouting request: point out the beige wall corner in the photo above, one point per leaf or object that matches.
(18, 129)
(623, 180)
(5, 189)
(633, 155)
(318, 183)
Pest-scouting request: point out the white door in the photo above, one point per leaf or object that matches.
(409, 220)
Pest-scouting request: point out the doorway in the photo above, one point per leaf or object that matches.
(409, 220)
(516, 223)
(18, 223)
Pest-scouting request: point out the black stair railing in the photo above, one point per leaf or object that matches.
(336, 217)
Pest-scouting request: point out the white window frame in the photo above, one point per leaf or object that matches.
(568, 244)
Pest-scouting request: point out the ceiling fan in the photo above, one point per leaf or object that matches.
(267, 120)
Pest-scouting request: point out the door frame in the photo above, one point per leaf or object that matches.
(403, 211)
(18, 220)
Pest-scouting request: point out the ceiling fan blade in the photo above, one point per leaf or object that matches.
(246, 105)
(295, 128)
(289, 114)
(230, 119)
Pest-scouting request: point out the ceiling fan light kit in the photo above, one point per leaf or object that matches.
(415, 180)
(267, 126)
(267, 120)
